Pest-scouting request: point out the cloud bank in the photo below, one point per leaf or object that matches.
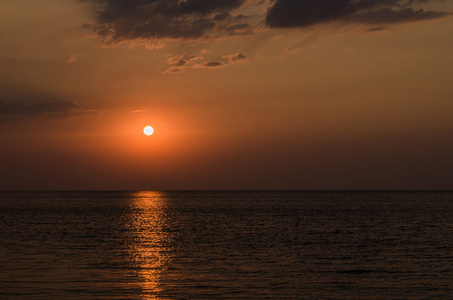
(153, 22)
(16, 105)
(129, 20)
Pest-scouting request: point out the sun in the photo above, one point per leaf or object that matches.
(148, 130)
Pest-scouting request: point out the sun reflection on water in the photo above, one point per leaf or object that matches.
(149, 249)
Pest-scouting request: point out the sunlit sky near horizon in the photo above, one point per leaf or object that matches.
(242, 94)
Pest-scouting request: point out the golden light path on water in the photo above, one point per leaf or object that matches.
(149, 249)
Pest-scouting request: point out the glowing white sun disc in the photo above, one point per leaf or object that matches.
(148, 130)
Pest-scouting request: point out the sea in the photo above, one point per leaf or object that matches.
(226, 245)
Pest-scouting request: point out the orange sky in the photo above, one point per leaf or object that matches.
(241, 94)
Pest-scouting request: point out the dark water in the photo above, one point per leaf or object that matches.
(226, 245)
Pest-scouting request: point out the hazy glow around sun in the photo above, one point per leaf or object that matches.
(148, 130)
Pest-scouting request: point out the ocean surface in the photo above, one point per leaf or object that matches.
(226, 245)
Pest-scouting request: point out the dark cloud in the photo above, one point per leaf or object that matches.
(119, 20)
(301, 13)
(291, 13)
(125, 20)
(16, 105)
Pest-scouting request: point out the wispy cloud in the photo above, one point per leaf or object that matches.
(388, 16)
(139, 111)
(237, 57)
(179, 63)
(71, 59)
(291, 51)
